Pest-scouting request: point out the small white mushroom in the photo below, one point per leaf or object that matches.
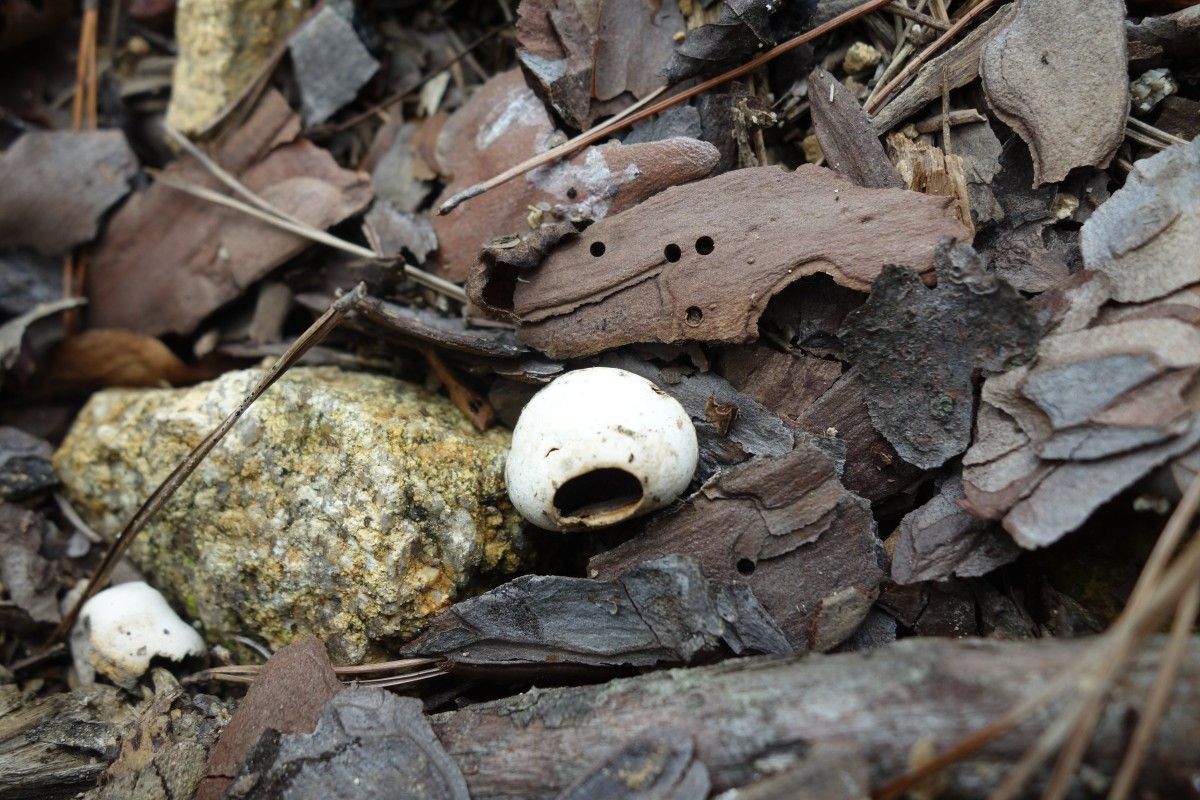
(598, 446)
(122, 628)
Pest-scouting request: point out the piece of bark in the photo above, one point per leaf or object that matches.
(744, 28)
(874, 469)
(942, 540)
(330, 64)
(1057, 76)
(56, 746)
(1146, 237)
(399, 175)
(925, 168)
(665, 271)
(1180, 116)
(980, 149)
(681, 120)
(654, 766)
(953, 69)
(730, 426)
(1097, 410)
(162, 755)
(786, 383)
(167, 259)
(25, 467)
(399, 234)
(503, 124)
(661, 612)
(786, 527)
(918, 349)
(30, 580)
(748, 714)
(287, 696)
(426, 327)
(502, 262)
(57, 185)
(589, 58)
(808, 314)
(366, 738)
(847, 139)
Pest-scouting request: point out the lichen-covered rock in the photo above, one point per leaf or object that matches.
(222, 46)
(350, 505)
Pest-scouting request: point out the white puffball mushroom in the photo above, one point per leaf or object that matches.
(122, 628)
(598, 446)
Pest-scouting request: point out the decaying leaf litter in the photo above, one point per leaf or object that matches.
(921, 274)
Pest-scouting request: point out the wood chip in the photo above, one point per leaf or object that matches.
(656, 765)
(1146, 237)
(847, 139)
(786, 527)
(1057, 76)
(57, 184)
(286, 696)
(925, 168)
(664, 270)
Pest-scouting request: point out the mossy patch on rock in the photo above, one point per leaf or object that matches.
(350, 505)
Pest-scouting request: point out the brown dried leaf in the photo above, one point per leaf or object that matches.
(503, 124)
(57, 184)
(665, 271)
(1146, 237)
(919, 348)
(104, 357)
(287, 696)
(590, 57)
(785, 526)
(168, 260)
(1057, 76)
(847, 139)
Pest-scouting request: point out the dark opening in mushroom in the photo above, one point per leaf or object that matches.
(597, 492)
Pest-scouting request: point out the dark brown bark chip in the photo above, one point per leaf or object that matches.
(743, 30)
(367, 743)
(873, 468)
(653, 766)
(287, 696)
(679, 267)
(918, 349)
(659, 612)
(787, 528)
